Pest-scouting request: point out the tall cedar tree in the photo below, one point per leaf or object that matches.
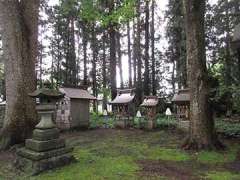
(146, 58)
(202, 134)
(19, 22)
(154, 91)
(113, 62)
(138, 55)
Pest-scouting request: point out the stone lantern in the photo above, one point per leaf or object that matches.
(45, 150)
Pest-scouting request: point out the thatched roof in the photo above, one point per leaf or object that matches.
(76, 93)
(150, 101)
(124, 96)
(182, 96)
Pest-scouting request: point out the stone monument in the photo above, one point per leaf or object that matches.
(46, 150)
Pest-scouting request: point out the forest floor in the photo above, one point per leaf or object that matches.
(135, 154)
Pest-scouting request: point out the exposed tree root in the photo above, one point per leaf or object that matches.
(191, 144)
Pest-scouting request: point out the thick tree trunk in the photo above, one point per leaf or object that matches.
(138, 57)
(104, 73)
(85, 77)
(129, 56)
(94, 59)
(202, 134)
(146, 58)
(228, 64)
(154, 91)
(113, 62)
(19, 21)
(119, 52)
(134, 55)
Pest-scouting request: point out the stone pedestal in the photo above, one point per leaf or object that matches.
(124, 122)
(151, 124)
(45, 150)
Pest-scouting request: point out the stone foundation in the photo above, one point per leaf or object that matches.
(43, 152)
(124, 122)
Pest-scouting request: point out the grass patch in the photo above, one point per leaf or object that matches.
(166, 154)
(222, 176)
(213, 157)
(91, 166)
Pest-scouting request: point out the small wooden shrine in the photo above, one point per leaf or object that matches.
(123, 107)
(74, 110)
(181, 102)
(149, 110)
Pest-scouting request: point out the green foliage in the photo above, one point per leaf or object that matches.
(226, 175)
(166, 122)
(98, 121)
(229, 129)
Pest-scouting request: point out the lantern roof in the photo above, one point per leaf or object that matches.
(47, 93)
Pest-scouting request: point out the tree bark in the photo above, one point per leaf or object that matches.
(104, 73)
(85, 78)
(129, 56)
(19, 21)
(146, 58)
(94, 60)
(202, 134)
(113, 63)
(138, 56)
(154, 91)
(119, 52)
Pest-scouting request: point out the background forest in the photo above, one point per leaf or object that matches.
(95, 43)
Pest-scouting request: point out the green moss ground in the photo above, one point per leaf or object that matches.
(134, 154)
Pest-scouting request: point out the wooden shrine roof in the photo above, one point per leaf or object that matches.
(182, 96)
(124, 96)
(150, 101)
(76, 93)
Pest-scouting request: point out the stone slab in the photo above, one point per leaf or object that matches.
(45, 135)
(36, 156)
(40, 146)
(35, 167)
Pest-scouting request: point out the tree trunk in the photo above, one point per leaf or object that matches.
(113, 63)
(94, 59)
(20, 26)
(146, 60)
(119, 52)
(154, 92)
(202, 134)
(85, 80)
(104, 74)
(228, 64)
(138, 56)
(134, 55)
(129, 56)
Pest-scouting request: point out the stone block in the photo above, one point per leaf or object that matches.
(35, 167)
(45, 135)
(40, 146)
(37, 156)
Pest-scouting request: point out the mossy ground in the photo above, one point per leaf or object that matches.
(134, 154)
